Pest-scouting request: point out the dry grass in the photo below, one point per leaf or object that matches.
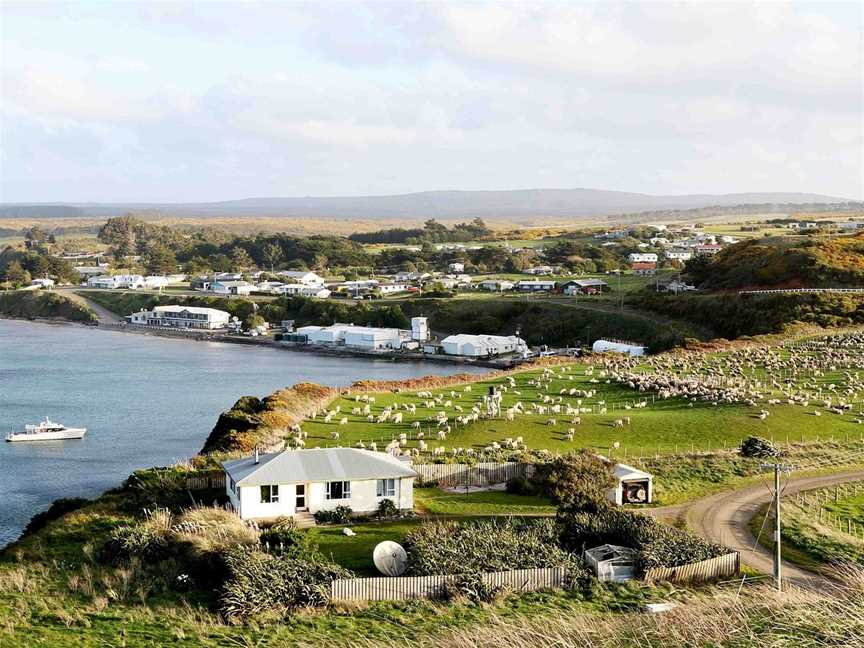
(760, 618)
(209, 529)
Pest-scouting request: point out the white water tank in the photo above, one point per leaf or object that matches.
(419, 329)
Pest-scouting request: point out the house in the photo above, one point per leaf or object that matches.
(483, 346)
(642, 257)
(92, 271)
(644, 269)
(678, 255)
(303, 290)
(156, 282)
(283, 484)
(708, 249)
(536, 285)
(228, 276)
(456, 267)
(42, 283)
(496, 285)
(392, 288)
(225, 287)
(304, 277)
(132, 282)
(851, 225)
(186, 317)
(541, 270)
(584, 287)
(676, 286)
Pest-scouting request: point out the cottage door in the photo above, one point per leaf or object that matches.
(301, 498)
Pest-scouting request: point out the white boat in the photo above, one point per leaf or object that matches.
(47, 430)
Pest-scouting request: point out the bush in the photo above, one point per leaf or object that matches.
(658, 545)
(387, 509)
(486, 545)
(147, 539)
(339, 515)
(472, 587)
(261, 583)
(758, 447)
(580, 479)
(520, 486)
(285, 537)
(58, 509)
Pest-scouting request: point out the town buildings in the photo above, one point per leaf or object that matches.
(183, 317)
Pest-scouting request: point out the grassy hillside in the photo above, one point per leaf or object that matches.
(788, 262)
(42, 304)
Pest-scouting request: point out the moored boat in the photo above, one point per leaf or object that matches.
(47, 430)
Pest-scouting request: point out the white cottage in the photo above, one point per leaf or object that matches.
(268, 486)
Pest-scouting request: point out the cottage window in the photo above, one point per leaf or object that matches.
(386, 488)
(338, 490)
(233, 485)
(270, 494)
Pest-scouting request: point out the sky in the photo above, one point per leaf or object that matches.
(183, 102)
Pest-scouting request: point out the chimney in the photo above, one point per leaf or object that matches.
(257, 460)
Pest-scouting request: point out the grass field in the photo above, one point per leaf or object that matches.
(663, 426)
(434, 501)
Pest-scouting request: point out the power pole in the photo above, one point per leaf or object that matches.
(777, 468)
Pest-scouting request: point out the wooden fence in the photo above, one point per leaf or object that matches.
(401, 588)
(481, 474)
(721, 567)
(812, 502)
(206, 480)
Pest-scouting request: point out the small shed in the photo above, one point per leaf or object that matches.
(612, 563)
(634, 486)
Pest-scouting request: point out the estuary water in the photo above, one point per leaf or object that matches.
(144, 400)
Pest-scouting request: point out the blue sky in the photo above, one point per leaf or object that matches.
(211, 101)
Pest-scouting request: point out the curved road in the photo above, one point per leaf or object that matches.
(725, 518)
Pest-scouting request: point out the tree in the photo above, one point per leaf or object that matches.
(578, 481)
(272, 255)
(121, 233)
(16, 274)
(240, 258)
(159, 259)
(253, 321)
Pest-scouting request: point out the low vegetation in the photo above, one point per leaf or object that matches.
(33, 304)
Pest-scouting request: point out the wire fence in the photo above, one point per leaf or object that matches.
(814, 502)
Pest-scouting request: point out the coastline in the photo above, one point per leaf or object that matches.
(271, 343)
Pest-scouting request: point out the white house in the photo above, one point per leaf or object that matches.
(496, 285)
(602, 346)
(642, 257)
(304, 277)
(541, 270)
(268, 486)
(42, 283)
(221, 287)
(116, 281)
(187, 317)
(156, 281)
(304, 290)
(456, 267)
(91, 271)
(483, 346)
(678, 255)
(538, 285)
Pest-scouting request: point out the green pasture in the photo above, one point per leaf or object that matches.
(662, 427)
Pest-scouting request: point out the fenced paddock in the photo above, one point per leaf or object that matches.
(401, 588)
(721, 567)
(481, 474)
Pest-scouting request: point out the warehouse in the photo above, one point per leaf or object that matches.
(483, 346)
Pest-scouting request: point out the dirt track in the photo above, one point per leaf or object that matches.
(725, 518)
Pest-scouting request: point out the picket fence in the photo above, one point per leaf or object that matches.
(481, 474)
(724, 566)
(402, 588)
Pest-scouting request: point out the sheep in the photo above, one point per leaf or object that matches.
(343, 420)
(618, 423)
(334, 436)
(551, 421)
(415, 425)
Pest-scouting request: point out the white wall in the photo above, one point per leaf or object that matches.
(364, 498)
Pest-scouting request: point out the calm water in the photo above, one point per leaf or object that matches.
(145, 401)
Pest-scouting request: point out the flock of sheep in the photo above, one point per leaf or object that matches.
(824, 376)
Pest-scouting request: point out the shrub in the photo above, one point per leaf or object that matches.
(58, 509)
(580, 479)
(339, 515)
(486, 545)
(520, 486)
(147, 539)
(260, 583)
(758, 447)
(471, 586)
(285, 537)
(387, 509)
(658, 545)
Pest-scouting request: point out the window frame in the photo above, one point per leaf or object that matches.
(273, 493)
(345, 490)
(382, 490)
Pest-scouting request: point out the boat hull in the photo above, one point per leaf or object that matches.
(61, 435)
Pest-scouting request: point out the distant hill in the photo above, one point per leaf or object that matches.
(523, 205)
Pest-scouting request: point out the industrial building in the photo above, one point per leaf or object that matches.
(483, 346)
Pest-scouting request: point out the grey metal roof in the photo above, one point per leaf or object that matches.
(316, 465)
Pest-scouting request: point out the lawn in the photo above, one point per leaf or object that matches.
(355, 552)
(434, 501)
(661, 427)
